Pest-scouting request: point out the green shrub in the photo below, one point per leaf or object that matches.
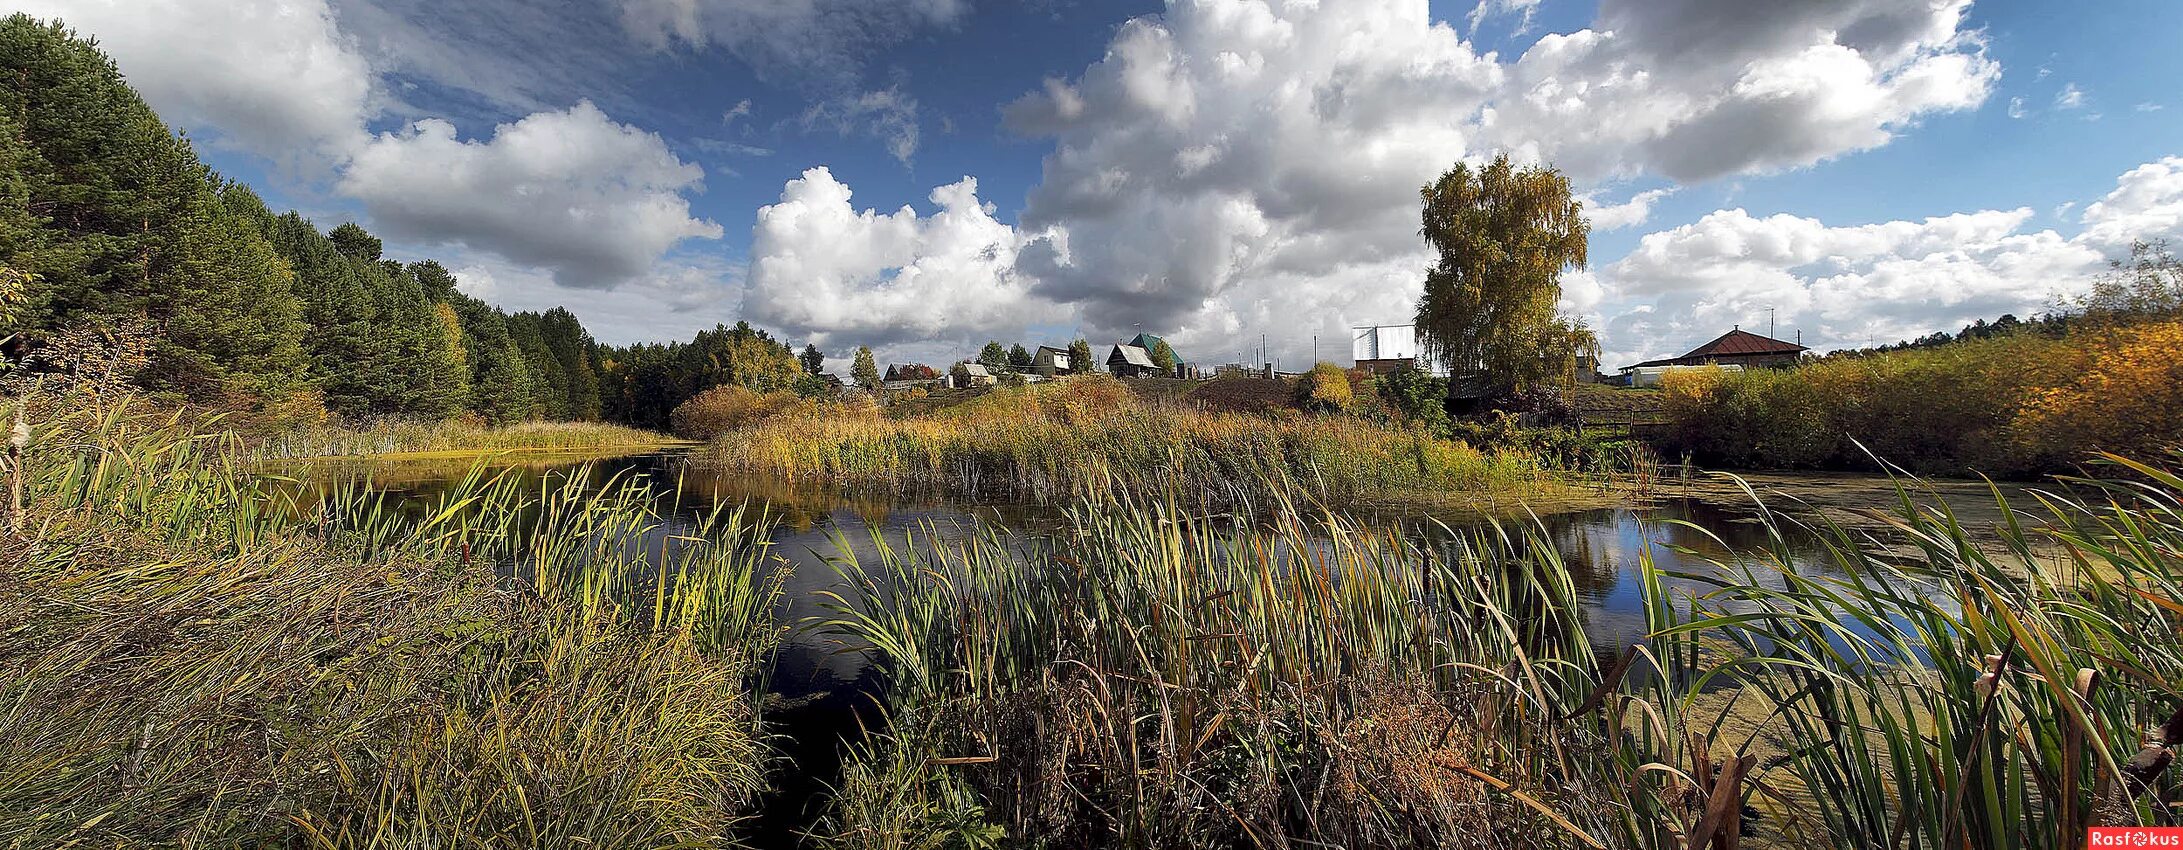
(1416, 395)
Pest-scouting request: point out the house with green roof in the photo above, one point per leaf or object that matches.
(1138, 357)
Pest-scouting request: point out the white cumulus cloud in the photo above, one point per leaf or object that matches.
(821, 269)
(1630, 213)
(275, 78)
(2147, 204)
(596, 201)
(1237, 166)
(1853, 285)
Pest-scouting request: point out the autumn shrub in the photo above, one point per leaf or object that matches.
(1324, 389)
(727, 407)
(2010, 405)
(1415, 395)
(1079, 399)
(1759, 417)
(2127, 400)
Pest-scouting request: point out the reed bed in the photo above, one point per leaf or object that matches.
(1052, 443)
(406, 436)
(1150, 678)
(1946, 688)
(186, 661)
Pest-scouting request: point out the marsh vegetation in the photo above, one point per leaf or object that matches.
(1085, 434)
(193, 661)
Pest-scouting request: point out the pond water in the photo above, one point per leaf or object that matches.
(820, 689)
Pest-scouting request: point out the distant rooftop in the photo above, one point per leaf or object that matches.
(1733, 344)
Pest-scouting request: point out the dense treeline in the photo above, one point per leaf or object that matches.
(109, 222)
(119, 227)
(113, 217)
(645, 382)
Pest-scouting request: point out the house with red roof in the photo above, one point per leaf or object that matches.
(1737, 348)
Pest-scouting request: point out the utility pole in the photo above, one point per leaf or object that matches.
(1771, 332)
(1314, 349)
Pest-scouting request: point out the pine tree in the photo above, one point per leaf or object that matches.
(412, 371)
(549, 379)
(22, 231)
(993, 356)
(134, 227)
(356, 244)
(865, 370)
(1019, 357)
(343, 345)
(500, 381)
(814, 360)
(571, 346)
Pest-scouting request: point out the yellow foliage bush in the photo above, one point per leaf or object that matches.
(2128, 399)
(1325, 389)
(2009, 405)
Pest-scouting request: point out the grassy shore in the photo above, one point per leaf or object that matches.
(1058, 441)
(184, 664)
(407, 439)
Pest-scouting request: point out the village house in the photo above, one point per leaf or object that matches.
(970, 373)
(1735, 350)
(1131, 361)
(1051, 361)
(902, 377)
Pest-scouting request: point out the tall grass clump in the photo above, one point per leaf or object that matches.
(185, 660)
(1940, 687)
(1150, 678)
(1054, 442)
(730, 406)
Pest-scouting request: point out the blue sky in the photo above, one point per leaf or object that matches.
(1212, 169)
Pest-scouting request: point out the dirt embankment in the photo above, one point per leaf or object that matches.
(1244, 395)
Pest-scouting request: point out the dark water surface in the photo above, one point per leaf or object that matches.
(822, 691)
